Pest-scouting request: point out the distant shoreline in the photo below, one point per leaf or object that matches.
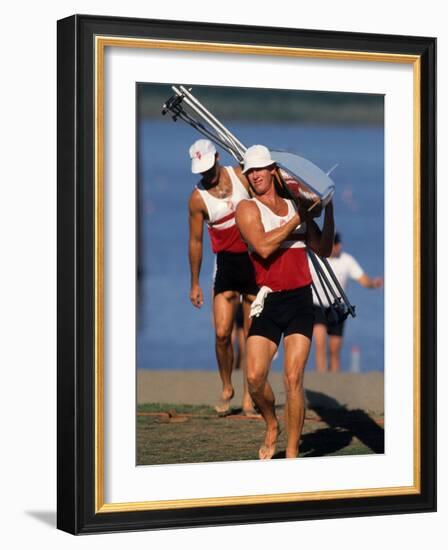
(280, 106)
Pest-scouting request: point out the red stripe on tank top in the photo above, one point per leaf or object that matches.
(223, 219)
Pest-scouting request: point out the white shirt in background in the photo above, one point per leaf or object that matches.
(344, 266)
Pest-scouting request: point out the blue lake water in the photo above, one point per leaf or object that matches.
(174, 335)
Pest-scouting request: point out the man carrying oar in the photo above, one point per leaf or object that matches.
(278, 236)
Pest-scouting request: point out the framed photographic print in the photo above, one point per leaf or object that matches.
(161, 419)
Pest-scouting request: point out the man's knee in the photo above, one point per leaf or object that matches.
(255, 381)
(223, 335)
(294, 379)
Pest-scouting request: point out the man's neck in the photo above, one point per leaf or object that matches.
(222, 189)
(220, 179)
(270, 197)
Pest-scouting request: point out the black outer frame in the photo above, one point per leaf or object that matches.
(75, 381)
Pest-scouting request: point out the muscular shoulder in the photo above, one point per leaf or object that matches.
(247, 205)
(196, 202)
(247, 210)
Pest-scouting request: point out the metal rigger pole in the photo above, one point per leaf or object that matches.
(222, 132)
(215, 122)
(175, 107)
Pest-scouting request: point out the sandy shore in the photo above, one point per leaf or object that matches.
(352, 391)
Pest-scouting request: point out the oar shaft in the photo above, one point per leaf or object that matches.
(338, 286)
(217, 123)
(209, 120)
(207, 133)
(323, 279)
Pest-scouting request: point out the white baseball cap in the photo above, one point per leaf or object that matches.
(257, 156)
(202, 154)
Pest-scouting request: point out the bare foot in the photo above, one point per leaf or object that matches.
(223, 407)
(249, 409)
(267, 450)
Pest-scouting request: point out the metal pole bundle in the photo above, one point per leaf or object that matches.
(210, 127)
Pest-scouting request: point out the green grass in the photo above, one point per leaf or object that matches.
(204, 437)
(177, 408)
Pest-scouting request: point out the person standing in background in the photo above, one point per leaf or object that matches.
(345, 267)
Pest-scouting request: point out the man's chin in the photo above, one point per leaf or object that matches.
(255, 190)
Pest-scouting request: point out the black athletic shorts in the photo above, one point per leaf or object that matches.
(234, 271)
(332, 329)
(285, 312)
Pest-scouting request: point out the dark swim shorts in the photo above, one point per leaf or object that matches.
(234, 271)
(285, 312)
(332, 328)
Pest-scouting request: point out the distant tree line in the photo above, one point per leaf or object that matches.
(269, 105)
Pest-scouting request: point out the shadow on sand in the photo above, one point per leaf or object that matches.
(343, 425)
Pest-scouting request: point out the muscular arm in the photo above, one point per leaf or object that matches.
(249, 223)
(196, 223)
(321, 241)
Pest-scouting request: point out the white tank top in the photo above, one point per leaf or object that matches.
(218, 209)
(287, 268)
(272, 221)
(224, 234)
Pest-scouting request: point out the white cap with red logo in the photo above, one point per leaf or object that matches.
(202, 154)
